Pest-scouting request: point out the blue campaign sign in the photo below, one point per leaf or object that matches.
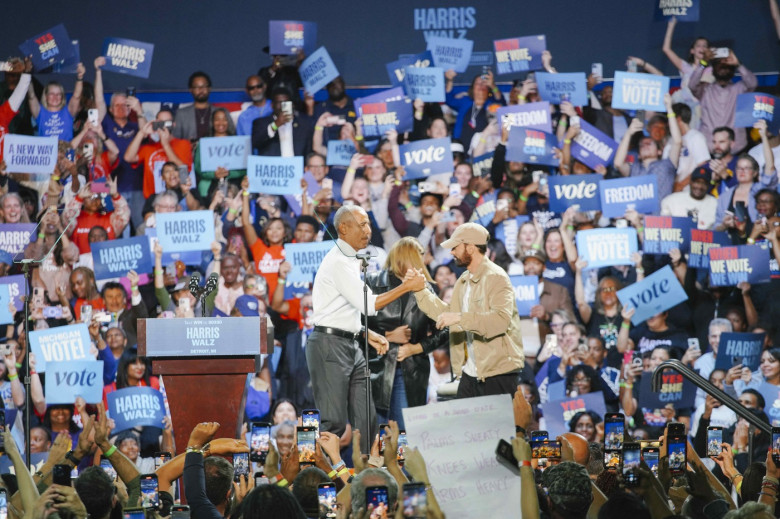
(535, 116)
(621, 194)
(664, 233)
(305, 259)
(556, 88)
(14, 237)
(639, 91)
(383, 116)
(274, 175)
(557, 413)
(657, 292)
(26, 154)
(752, 107)
(426, 157)
(224, 152)
(771, 394)
(287, 37)
(63, 343)
(128, 56)
(482, 164)
(739, 348)
(317, 70)
(701, 243)
(67, 380)
(685, 11)
(450, 53)
(526, 293)
(340, 153)
(519, 54)
(531, 147)
(49, 47)
(185, 230)
(136, 407)
(569, 190)
(397, 69)
(593, 147)
(70, 65)
(195, 337)
(729, 266)
(5, 298)
(169, 258)
(426, 84)
(18, 289)
(675, 390)
(115, 258)
(606, 247)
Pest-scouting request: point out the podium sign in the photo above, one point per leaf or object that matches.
(206, 336)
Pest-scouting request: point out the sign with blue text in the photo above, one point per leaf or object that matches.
(606, 247)
(531, 147)
(185, 230)
(274, 175)
(27, 154)
(14, 237)
(526, 293)
(635, 91)
(535, 116)
(115, 258)
(317, 70)
(682, 10)
(739, 348)
(425, 84)
(129, 57)
(569, 190)
(657, 292)
(224, 152)
(621, 194)
(305, 259)
(664, 233)
(63, 343)
(426, 157)
(49, 47)
(519, 54)
(136, 407)
(213, 336)
(450, 53)
(340, 152)
(593, 147)
(701, 243)
(771, 394)
(287, 37)
(557, 88)
(67, 380)
(397, 69)
(730, 266)
(169, 258)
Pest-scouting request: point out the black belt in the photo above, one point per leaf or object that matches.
(337, 332)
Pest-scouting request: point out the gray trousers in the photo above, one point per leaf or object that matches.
(337, 368)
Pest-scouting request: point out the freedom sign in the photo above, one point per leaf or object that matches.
(63, 343)
(606, 247)
(340, 152)
(701, 243)
(305, 259)
(136, 407)
(635, 91)
(128, 56)
(396, 70)
(14, 237)
(557, 413)
(67, 380)
(526, 293)
(657, 292)
(593, 147)
(531, 147)
(49, 47)
(569, 190)
(26, 154)
(185, 230)
(426, 84)
(683, 10)
(274, 175)
(752, 107)
(621, 194)
(450, 53)
(535, 116)
(664, 233)
(519, 54)
(557, 88)
(115, 258)
(729, 266)
(426, 157)
(224, 152)
(287, 37)
(317, 71)
(739, 348)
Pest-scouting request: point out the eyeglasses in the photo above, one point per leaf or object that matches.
(608, 289)
(204, 86)
(255, 87)
(580, 380)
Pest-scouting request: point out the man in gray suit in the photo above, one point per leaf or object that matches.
(194, 121)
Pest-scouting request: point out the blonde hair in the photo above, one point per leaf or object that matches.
(44, 101)
(407, 252)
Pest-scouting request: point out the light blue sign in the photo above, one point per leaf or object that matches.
(340, 153)
(556, 88)
(450, 53)
(136, 407)
(185, 230)
(656, 293)
(206, 336)
(67, 380)
(531, 147)
(129, 57)
(569, 190)
(63, 343)
(5, 298)
(426, 84)
(634, 91)
(274, 175)
(224, 152)
(526, 293)
(593, 147)
(169, 258)
(115, 258)
(26, 154)
(621, 194)
(535, 116)
(305, 259)
(14, 237)
(397, 69)
(426, 157)
(606, 247)
(317, 71)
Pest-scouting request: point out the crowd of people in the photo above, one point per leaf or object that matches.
(436, 245)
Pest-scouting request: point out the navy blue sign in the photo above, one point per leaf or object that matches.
(385, 111)
(519, 54)
(115, 258)
(396, 70)
(569, 190)
(621, 194)
(136, 407)
(729, 266)
(675, 390)
(531, 147)
(683, 10)
(17, 287)
(593, 147)
(664, 233)
(701, 243)
(128, 56)
(535, 116)
(49, 47)
(557, 413)
(739, 348)
(752, 107)
(287, 37)
(426, 157)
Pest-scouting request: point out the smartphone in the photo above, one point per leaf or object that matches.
(61, 475)
(377, 496)
(150, 497)
(260, 479)
(675, 429)
(240, 466)
(631, 458)
(382, 438)
(502, 204)
(426, 187)
(88, 149)
(612, 459)
(740, 212)
(185, 305)
(614, 429)
(776, 445)
(311, 418)
(327, 183)
(5, 66)
(326, 497)
(86, 314)
(531, 76)
(574, 120)
(455, 189)
(109, 469)
(537, 175)
(159, 125)
(714, 440)
(506, 456)
(597, 69)
(678, 454)
(631, 65)
(70, 154)
(130, 91)
(287, 107)
(180, 512)
(539, 435)
(307, 437)
(545, 449)
(693, 342)
(448, 217)
(161, 458)
(402, 444)
(3, 504)
(184, 174)
(736, 361)
(721, 52)
(134, 513)
(650, 456)
(621, 223)
(52, 312)
(485, 71)
(38, 296)
(259, 441)
(415, 500)
(92, 116)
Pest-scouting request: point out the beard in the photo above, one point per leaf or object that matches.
(463, 261)
(337, 96)
(201, 98)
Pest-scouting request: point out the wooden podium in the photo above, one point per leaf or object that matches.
(204, 388)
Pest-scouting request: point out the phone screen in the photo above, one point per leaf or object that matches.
(61, 475)
(402, 444)
(3, 504)
(614, 428)
(714, 440)
(631, 457)
(311, 418)
(240, 465)
(377, 496)
(545, 449)
(612, 459)
(539, 435)
(776, 444)
(382, 437)
(259, 440)
(134, 513)
(161, 458)
(108, 468)
(650, 456)
(149, 495)
(306, 439)
(415, 500)
(326, 496)
(677, 454)
(180, 512)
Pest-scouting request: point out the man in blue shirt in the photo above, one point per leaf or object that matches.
(260, 107)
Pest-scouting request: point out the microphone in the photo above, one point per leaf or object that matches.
(195, 284)
(364, 256)
(211, 283)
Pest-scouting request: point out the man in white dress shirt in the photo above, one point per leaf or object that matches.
(336, 362)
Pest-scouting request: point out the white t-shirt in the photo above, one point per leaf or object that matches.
(678, 204)
(757, 153)
(694, 152)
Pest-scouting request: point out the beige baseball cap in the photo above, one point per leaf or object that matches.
(467, 233)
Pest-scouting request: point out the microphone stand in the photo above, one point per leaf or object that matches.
(364, 268)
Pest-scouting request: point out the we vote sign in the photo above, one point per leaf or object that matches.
(664, 233)
(14, 237)
(317, 70)
(426, 157)
(739, 348)
(606, 247)
(136, 407)
(25, 154)
(425, 84)
(701, 243)
(49, 47)
(63, 343)
(535, 116)
(17, 287)
(531, 147)
(621, 194)
(115, 258)
(340, 152)
(450, 53)
(634, 91)
(519, 54)
(185, 230)
(593, 147)
(305, 259)
(569, 190)
(274, 175)
(730, 266)
(753, 107)
(224, 152)
(287, 37)
(557, 413)
(128, 56)
(657, 292)
(557, 88)
(384, 111)
(67, 380)
(682, 10)
(396, 70)
(526, 293)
